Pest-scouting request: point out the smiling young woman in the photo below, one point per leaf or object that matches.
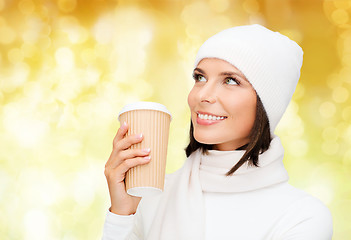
(233, 184)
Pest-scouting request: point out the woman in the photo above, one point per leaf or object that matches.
(233, 184)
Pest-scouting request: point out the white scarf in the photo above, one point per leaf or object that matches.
(180, 214)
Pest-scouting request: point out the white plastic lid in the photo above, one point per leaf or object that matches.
(144, 105)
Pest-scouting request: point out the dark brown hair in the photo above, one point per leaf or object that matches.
(260, 139)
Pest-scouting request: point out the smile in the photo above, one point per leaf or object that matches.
(210, 117)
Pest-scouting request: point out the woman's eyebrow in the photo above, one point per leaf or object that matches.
(199, 70)
(234, 73)
(227, 73)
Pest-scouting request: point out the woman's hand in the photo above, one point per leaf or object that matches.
(120, 161)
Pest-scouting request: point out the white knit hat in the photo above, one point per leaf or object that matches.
(269, 60)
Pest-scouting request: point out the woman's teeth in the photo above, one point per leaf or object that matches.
(209, 117)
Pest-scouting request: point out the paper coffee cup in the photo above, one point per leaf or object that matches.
(152, 120)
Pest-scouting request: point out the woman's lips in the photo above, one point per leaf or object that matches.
(208, 118)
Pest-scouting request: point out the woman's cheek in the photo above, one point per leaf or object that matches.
(191, 99)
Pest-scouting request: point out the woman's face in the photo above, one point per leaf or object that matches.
(222, 104)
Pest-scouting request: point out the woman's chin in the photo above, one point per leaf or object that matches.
(204, 140)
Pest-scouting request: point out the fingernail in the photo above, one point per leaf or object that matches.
(147, 150)
(147, 158)
(140, 136)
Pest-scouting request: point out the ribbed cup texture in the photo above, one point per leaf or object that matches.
(154, 125)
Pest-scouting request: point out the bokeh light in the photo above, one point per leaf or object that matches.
(67, 67)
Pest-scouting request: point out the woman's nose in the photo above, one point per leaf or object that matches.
(208, 93)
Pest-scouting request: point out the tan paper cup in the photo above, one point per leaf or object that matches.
(152, 120)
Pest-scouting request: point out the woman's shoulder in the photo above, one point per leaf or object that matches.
(295, 203)
(311, 207)
(301, 214)
(309, 217)
(308, 210)
(304, 200)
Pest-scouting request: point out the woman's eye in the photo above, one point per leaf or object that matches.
(199, 78)
(231, 81)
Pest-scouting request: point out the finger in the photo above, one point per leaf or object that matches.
(120, 146)
(128, 141)
(133, 153)
(121, 132)
(133, 162)
(121, 156)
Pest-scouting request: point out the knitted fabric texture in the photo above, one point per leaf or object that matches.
(269, 60)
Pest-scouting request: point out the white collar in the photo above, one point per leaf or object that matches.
(215, 164)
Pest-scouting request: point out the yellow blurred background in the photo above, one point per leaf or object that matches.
(67, 67)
